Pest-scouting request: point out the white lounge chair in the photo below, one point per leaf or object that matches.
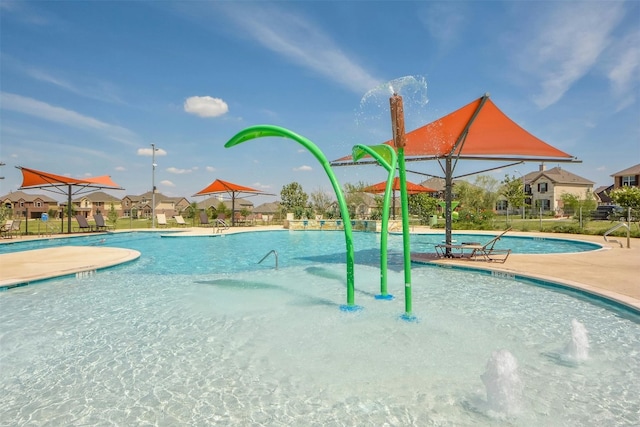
(180, 220)
(161, 220)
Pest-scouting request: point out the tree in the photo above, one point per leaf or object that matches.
(112, 216)
(222, 210)
(627, 197)
(354, 196)
(422, 205)
(294, 199)
(191, 210)
(573, 205)
(321, 202)
(513, 191)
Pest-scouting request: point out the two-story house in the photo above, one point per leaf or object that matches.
(142, 206)
(96, 202)
(30, 206)
(545, 188)
(629, 177)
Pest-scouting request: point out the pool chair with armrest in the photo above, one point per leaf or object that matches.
(180, 220)
(476, 251)
(101, 225)
(83, 224)
(204, 220)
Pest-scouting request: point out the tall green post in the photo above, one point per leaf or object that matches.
(397, 125)
(387, 158)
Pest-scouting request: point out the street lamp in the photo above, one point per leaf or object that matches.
(153, 185)
(523, 192)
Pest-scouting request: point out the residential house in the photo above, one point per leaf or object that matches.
(629, 177)
(141, 206)
(90, 204)
(212, 204)
(545, 188)
(602, 194)
(31, 206)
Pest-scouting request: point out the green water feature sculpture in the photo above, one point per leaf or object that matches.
(263, 131)
(386, 156)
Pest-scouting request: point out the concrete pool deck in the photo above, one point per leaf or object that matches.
(612, 272)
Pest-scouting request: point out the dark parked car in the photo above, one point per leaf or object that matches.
(610, 212)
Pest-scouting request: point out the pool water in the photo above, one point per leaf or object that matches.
(196, 332)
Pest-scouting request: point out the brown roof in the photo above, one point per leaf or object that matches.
(558, 176)
(21, 195)
(633, 170)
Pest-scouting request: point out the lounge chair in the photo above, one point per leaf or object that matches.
(5, 229)
(180, 220)
(204, 220)
(83, 224)
(476, 251)
(101, 225)
(161, 220)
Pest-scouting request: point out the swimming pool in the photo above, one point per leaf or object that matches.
(196, 332)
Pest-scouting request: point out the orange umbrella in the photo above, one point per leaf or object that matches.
(412, 188)
(219, 187)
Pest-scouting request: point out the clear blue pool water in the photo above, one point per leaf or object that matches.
(196, 332)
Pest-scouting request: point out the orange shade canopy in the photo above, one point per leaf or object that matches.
(479, 130)
(411, 187)
(220, 186)
(32, 178)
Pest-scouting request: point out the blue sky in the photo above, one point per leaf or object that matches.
(87, 87)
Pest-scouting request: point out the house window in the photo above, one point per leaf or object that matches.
(126, 203)
(542, 187)
(629, 181)
(38, 204)
(502, 205)
(21, 204)
(545, 204)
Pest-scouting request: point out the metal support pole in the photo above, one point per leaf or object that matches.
(153, 186)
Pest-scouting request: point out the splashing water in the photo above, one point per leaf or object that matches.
(578, 348)
(374, 105)
(502, 382)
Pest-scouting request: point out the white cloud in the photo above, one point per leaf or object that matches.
(624, 69)
(148, 152)
(210, 169)
(261, 186)
(303, 168)
(566, 44)
(167, 183)
(178, 171)
(205, 106)
(120, 168)
(300, 41)
(42, 110)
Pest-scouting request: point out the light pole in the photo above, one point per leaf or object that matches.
(523, 193)
(153, 185)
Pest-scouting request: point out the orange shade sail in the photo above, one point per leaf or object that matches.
(32, 178)
(411, 187)
(220, 186)
(479, 130)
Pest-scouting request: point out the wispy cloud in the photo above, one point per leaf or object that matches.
(99, 91)
(301, 42)
(303, 168)
(566, 43)
(167, 183)
(178, 171)
(148, 152)
(42, 110)
(623, 69)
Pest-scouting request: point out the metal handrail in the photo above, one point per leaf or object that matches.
(221, 225)
(272, 251)
(614, 228)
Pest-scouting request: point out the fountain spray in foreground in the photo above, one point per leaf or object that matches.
(577, 349)
(503, 384)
